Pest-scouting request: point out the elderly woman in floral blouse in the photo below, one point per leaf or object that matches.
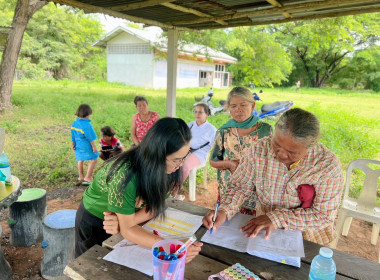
(235, 137)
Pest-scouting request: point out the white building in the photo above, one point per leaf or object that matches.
(135, 57)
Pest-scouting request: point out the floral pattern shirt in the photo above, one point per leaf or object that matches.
(143, 127)
(228, 146)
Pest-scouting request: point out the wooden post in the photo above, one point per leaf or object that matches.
(26, 216)
(171, 90)
(5, 269)
(59, 242)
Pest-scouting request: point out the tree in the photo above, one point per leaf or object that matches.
(362, 71)
(322, 47)
(25, 9)
(58, 41)
(260, 58)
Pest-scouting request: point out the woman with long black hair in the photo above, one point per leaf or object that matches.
(134, 185)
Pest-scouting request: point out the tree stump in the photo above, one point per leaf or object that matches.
(5, 269)
(59, 242)
(26, 216)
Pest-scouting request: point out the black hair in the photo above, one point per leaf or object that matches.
(108, 131)
(206, 108)
(83, 111)
(148, 161)
(139, 98)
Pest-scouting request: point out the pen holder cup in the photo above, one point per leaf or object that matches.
(168, 269)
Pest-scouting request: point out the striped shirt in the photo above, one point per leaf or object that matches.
(276, 188)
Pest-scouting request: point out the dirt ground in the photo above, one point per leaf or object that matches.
(26, 261)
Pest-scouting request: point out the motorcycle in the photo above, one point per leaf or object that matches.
(207, 100)
(256, 97)
(273, 109)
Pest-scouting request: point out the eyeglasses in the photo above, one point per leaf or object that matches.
(198, 112)
(179, 161)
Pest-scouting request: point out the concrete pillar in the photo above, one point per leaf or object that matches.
(171, 89)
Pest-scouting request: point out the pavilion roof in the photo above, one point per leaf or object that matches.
(209, 14)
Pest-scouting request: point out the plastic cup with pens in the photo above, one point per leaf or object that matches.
(169, 259)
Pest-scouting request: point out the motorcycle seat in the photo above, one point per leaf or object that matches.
(275, 105)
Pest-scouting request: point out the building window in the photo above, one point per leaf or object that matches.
(129, 49)
(219, 68)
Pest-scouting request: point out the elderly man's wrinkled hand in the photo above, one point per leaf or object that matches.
(111, 223)
(193, 251)
(221, 217)
(254, 226)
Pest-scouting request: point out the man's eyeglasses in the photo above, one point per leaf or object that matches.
(198, 112)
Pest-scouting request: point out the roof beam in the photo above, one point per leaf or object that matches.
(303, 7)
(191, 11)
(138, 5)
(311, 17)
(277, 4)
(95, 9)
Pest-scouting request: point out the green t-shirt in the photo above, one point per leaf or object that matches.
(101, 196)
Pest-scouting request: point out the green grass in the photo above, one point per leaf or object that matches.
(38, 127)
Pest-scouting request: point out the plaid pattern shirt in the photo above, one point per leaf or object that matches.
(276, 188)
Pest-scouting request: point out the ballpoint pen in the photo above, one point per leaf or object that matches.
(214, 218)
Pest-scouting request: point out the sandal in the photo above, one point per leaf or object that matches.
(79, 183)
(86, 183)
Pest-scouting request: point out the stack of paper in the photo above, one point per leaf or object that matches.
(283, 246)
(177, 225)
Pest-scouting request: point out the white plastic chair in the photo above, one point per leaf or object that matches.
(193, 180)
(363, 208)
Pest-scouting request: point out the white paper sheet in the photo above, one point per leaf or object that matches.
(284, 246)
(135, 256)
(177, 225)
(281, 242)
(228, 235)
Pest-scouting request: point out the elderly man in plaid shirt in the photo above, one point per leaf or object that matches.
(298, 182)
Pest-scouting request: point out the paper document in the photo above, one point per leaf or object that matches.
(284, 246)
(177, 225)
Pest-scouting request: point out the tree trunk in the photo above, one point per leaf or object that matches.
(25, 9)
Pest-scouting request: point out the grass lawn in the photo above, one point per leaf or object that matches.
(38, 140)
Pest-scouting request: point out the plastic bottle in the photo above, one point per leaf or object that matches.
(5, 169)
(323, 266)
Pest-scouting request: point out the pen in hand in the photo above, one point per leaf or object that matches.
(214, 218)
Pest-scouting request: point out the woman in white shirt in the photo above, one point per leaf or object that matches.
(203, 134)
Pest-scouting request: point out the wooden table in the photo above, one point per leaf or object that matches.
(214, 259)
